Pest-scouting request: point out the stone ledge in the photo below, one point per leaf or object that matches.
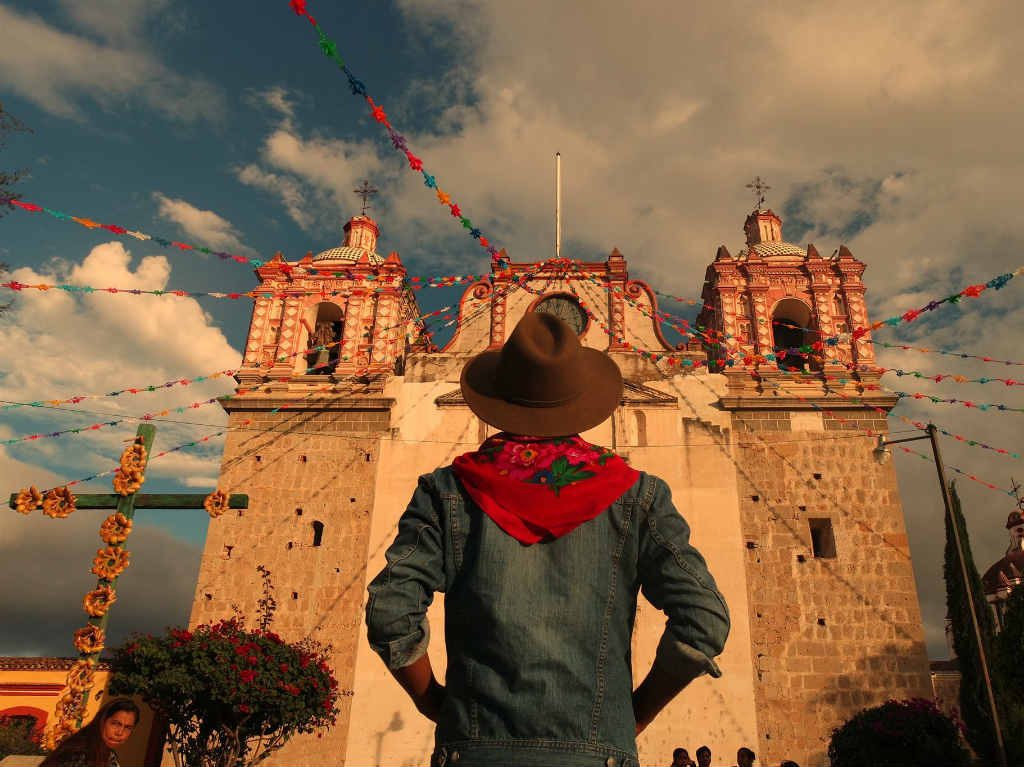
(256, 402)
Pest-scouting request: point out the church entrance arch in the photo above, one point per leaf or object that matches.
(791, 329)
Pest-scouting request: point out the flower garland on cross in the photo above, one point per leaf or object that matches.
(110, 562)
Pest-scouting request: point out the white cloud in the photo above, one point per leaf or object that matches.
(55, 69)
(287, 188)
(664, 114)
(204, 225)
(119, 20)
(278, 99)
(64, 345)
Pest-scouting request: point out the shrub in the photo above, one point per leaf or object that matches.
(231, 695)
(19, 735)
(899, 733)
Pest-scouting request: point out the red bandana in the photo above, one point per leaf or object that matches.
(540, 489)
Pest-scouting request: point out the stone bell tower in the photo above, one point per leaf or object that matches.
(327, 334)
(835, 622)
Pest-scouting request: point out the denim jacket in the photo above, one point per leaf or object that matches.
(538, 637)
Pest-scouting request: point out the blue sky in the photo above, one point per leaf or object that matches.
(222, 124)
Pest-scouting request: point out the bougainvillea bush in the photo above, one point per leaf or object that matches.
(899, 733)
(231, 695)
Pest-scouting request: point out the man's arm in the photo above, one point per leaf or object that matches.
(675, 579)
(396, 612)
(657, 691)
(418, 680)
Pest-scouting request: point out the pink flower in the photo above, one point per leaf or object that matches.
(576, 455)
(521, 460)
(247, 676)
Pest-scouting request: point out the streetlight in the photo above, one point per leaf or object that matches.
(882, 454)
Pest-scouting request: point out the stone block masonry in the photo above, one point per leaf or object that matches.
(834, 614)
(310, 472)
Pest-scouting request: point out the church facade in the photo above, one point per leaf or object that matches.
(344, 401)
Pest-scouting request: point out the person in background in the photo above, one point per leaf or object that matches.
(703, 757)
(94, 745)
(540, 542)
(681, 758)
(745, 757)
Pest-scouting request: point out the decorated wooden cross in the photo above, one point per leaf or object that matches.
(111, 560)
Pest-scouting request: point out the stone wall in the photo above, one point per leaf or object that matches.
(315, 461)
(829, 635)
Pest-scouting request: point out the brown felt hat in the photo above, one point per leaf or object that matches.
(542, 382)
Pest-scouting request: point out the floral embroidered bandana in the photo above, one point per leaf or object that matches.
(541, 489)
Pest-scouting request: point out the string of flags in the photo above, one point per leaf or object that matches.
(168, 451)
(103, 424)
(330, 49)
(961, 355)
(123, 231)
(871, 433)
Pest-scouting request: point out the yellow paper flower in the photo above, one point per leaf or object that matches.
(89, 639)
(59, 503)
(127, 483)
(28, 500)
(133, 459)
(98, 601)
(80, 677)
(115, 529)
(110, 562)
(216, 503)
(57, 734)
(70, 706)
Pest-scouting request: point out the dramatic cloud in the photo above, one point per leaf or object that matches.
(49, 560)
(889, 130)
(57, 69)
(204, 225)
(84, 344)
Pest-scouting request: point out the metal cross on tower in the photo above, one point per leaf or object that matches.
(366, 191)
(759, 187)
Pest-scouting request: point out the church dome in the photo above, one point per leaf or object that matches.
(346, 253)
(361, 234)
(769, 249)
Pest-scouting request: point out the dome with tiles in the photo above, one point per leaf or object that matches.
(361, 234)
(764, 237)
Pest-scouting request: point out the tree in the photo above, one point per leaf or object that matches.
(231, 695)
(974, 704)
(899, 733)
(8, 124)
(8, 178)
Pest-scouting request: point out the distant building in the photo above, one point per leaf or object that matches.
(759, 426)
(998, 582)
(31, 687)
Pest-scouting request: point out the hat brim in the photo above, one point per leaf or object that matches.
(601, 394)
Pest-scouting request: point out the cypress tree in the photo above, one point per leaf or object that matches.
(974, 706)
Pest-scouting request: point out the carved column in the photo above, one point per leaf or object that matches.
(501, 286)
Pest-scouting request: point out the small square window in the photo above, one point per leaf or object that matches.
(823, 540)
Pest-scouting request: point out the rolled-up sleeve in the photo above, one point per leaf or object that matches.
(675, 579)
(396, 612)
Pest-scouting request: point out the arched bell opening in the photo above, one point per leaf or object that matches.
(323, 344)
(792, 328)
